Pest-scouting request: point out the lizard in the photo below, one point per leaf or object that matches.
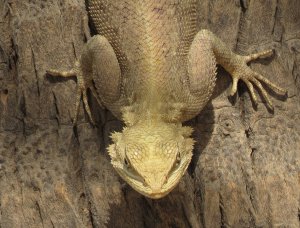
(152, 68)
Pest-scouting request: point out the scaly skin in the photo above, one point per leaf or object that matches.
(152, 69)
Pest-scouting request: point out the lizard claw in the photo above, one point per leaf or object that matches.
(251, 78)
(81, 89)
(234, 86)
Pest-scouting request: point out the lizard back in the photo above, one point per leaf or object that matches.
(151, 40)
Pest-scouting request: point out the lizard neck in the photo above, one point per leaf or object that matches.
(151, 112)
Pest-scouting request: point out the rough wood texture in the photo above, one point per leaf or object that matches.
(245, 171)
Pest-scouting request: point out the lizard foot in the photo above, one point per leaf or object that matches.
(243, 72)
(81, 92)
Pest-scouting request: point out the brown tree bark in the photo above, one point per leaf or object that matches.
(245, 169)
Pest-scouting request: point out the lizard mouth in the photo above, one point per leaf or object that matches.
(155, 191)
(145, 189)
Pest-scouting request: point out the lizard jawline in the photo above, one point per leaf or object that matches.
(139, 185)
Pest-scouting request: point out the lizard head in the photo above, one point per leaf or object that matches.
(152, 159)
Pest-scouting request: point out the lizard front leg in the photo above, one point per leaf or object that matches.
(98, 70)
(207, 43)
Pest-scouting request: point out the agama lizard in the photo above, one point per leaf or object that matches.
(153, 70)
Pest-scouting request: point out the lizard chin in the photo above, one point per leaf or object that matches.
(158, 185)
(153, 192)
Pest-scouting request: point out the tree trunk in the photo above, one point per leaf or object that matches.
(245, 168)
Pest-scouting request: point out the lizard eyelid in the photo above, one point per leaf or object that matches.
(176, 165)
(131, 172)
(126, 160)
(178, 156)
(178, 159)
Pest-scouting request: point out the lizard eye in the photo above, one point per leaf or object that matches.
(175, 165)
(126, 162)
(178, 159)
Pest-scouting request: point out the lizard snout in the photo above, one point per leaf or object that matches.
(156, 184)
